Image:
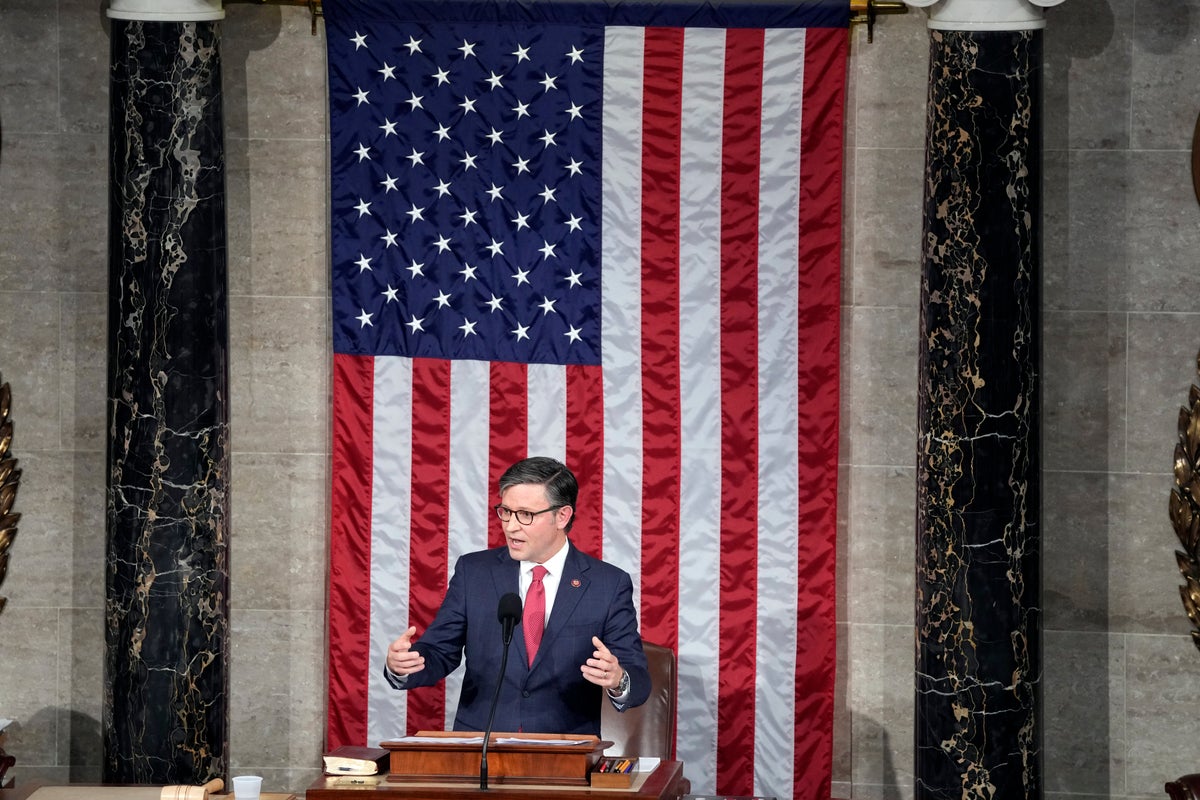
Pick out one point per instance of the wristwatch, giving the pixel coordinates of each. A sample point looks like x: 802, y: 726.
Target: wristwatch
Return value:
x: 622, y: 687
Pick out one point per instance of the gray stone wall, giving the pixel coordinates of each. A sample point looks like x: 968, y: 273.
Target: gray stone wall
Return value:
x: 1122, y: 329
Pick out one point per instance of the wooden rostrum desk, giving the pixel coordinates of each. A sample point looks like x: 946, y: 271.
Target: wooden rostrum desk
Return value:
x: 438, y: 765
x: 664, y: 783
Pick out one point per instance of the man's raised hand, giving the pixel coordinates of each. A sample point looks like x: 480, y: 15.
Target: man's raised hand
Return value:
x: 401, y: 658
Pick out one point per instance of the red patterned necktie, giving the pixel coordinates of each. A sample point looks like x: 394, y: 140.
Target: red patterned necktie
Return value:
x: 534, y: 620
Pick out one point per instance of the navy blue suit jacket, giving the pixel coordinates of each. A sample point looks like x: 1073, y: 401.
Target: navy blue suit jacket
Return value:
x: 594, y: 598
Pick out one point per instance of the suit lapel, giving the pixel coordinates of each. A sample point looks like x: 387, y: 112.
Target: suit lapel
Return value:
x: 506, y: 574
x: 506, y: 577
x: 571, y: 588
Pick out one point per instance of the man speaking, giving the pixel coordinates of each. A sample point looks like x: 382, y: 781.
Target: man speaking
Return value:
x: 578, y: 637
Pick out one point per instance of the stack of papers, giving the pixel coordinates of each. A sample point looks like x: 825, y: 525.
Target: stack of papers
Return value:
x: 495, y: 739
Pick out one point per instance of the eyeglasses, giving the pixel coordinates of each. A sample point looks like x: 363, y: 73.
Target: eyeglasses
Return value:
x: 523, y: 517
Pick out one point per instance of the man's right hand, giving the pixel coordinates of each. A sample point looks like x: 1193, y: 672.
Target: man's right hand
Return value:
x: 401, y: 658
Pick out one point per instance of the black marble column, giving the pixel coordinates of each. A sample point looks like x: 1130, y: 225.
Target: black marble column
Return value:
x: 166, y: 715
x: 978, y: 721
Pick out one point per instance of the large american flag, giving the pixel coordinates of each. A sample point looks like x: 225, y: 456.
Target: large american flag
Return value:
x: 614, y: 240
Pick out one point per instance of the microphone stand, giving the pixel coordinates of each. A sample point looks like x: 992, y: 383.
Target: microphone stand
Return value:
x: 487, y: 735
x: 509, y: 614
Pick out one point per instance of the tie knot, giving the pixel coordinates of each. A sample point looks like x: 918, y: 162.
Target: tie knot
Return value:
x: 539, y: 572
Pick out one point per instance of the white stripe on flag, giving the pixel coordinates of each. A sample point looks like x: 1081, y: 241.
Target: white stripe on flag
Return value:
x: 547, y: 393
x: 468, y: 469
x: 621, y: 303
x: 700, y: 412
x: 391, y: 496
x: 778, y: 502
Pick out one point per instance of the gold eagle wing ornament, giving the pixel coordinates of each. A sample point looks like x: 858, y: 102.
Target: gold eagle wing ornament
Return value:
x: 1185, y: 506
x: 10, y: 476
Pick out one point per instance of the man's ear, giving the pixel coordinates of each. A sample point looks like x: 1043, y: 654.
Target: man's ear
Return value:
x: 564, y: 516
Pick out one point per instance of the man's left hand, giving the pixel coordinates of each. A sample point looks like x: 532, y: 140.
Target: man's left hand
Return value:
x: 602, y: 668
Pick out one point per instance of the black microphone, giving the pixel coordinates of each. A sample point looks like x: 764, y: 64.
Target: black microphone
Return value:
x: 509, y: 614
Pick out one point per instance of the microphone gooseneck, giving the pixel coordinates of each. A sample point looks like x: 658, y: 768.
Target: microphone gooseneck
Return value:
x: 509, y: 615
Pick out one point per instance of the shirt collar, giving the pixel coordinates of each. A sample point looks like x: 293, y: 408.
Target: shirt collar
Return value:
x: 555, y: 564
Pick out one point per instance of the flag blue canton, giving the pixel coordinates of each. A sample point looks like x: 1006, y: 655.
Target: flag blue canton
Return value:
x: 466, y: 192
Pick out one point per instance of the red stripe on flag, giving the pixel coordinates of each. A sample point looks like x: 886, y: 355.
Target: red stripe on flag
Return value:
x: 350, y: 550
x: 661, y: 435
x: 741, y: 138
x: 820, y: 266
x: 585, y: 454
x: 429, y: 545
x: 509, y: 425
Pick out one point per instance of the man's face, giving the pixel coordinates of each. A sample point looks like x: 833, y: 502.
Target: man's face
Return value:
x: 541, y: 538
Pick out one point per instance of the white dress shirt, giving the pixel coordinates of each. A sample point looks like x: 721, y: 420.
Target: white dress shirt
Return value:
x: 554, y: 569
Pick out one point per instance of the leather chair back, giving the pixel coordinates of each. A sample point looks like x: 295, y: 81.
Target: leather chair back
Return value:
x: 649, y: 729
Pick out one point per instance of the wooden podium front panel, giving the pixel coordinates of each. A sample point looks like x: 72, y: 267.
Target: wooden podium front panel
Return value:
x: 441, y: 757
x: 664, y: 783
